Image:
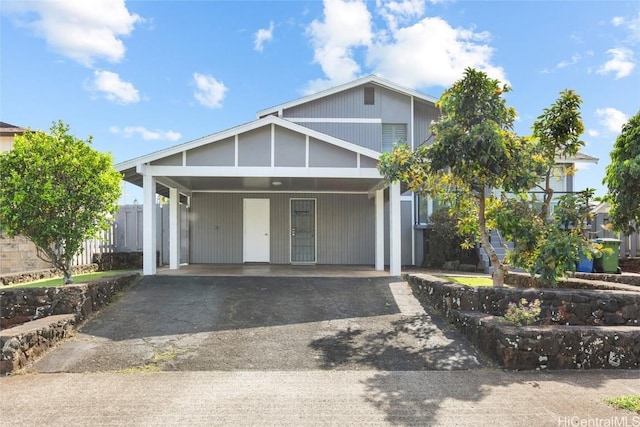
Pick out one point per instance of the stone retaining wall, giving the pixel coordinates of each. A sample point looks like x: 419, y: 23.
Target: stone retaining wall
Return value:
x: 558, y: 306
x: 23, y: 344
x: 629, y: 265
x: 118, y: 261
x: 22, y: 305
x: 550, y: 347
x: 34, y: 319
x: 580, y: 329
x: 30, y: 276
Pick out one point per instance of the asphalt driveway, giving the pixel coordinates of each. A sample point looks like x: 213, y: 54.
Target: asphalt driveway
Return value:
x: 182, y: 323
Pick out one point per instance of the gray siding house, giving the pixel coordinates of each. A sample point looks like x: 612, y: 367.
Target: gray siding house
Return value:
x: 298, y: 185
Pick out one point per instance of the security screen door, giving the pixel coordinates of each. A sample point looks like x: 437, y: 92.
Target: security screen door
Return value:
x: 303, y: 230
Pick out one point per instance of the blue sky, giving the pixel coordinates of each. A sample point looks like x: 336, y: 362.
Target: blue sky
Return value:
x: 140, y: 76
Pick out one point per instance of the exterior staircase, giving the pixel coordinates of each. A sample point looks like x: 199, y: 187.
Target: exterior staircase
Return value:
x: 500, y: 250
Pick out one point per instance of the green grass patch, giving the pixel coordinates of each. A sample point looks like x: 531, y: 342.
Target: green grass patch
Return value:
x: 57, y: 281
x: 470, y: 280
x: 630, y: 402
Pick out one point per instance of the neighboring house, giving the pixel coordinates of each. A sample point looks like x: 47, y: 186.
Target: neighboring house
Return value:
x: 7, y: 133
x: 19, y: 254
x: 298, y: 185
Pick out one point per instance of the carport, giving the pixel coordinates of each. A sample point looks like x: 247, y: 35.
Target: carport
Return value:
x: 274, y: 192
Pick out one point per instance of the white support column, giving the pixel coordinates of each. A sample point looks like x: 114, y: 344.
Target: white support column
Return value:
x: 174, y: 229
x: 149, y: 222
x: 395, y: 230
x: 380, y: 230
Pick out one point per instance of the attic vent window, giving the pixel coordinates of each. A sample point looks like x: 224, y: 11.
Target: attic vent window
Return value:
x: 369, y: 96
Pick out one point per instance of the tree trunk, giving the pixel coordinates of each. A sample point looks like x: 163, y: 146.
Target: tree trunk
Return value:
x: 67, y: 271
x: 548, y: 195
x: 498, y: 268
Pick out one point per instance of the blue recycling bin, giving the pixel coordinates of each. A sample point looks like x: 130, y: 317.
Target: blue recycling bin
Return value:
x: 585, y: 265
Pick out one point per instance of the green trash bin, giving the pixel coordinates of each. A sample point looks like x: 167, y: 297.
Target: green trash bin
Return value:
x: 608, y: 261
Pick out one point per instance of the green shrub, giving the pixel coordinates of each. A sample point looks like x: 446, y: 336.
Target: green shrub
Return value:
x: 523, y: 313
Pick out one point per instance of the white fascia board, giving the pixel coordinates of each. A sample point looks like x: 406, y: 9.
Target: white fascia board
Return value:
x: 333, y: 120
x: 194, y: 144
x: 364, y: 80
x: 250, y: 171
x: 569, y: 160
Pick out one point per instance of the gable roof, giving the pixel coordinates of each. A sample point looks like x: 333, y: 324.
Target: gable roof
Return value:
x: 336, y: 89
x: 578, y: 158
x: 9, y: 129
x: 241, y: 129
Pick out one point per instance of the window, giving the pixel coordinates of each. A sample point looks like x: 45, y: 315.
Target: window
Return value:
x: 369, y: 95
x: 393, y: 134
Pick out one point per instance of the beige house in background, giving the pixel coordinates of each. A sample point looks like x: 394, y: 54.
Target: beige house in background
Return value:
x: 19, y: 254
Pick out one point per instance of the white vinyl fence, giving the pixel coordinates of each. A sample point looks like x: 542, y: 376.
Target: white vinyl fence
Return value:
x: 126, y: 233
x: 629, y: 245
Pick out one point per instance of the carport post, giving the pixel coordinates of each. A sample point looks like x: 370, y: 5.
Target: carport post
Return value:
x: 149, y: 225
x: 174, y: 229
x: 380, y: 230
x: 395, y: 230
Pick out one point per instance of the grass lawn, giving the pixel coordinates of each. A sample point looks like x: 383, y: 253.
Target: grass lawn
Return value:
x: 57, y: 281
x: 470, y: 280
x: 630, y: 402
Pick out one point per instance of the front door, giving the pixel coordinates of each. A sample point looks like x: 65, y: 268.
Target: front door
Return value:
x: 303, y: 230
x: 256, y: 241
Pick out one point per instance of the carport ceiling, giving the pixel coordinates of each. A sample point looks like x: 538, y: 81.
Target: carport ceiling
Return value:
x: 200, y: 184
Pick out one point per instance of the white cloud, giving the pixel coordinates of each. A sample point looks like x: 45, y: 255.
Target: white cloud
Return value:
x: 113, y: 88
x: 621, y: 63
x: 346, y: 25
x: 431, y: 52
x: 574, y: 60
x: 146, y: 134
x: 612, y: 119
x: 593, y: 133
x: 616, y: 21
x: 414, y: 51
x: 261, y: 36
x: 210, y: 92
x: 80, y: 30
x: 632, y: 25
x: 399, y: 12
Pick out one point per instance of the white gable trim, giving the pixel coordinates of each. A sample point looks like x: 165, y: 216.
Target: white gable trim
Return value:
x: 235, y: 131
x: 355, y: 83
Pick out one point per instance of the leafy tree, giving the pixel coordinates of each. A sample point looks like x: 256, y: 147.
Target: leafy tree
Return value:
x: 474, y: 150
x: 623, y: 178
x: 57, y: 191
x: 557, y: 134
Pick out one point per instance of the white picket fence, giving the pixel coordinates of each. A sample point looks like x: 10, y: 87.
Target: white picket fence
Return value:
x: 103, y: 244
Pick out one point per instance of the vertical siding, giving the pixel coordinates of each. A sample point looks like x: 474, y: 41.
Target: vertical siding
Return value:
x: 216, y: 228
x: 345, y: 234
x: 346, y: 229
x: 395, y: 107
x: 424, y: 114
x: 368, y: 135
x: 348, y: 104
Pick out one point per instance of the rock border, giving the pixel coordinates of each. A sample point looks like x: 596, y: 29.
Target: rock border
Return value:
x: 41, y: 317
x: 477, y: 312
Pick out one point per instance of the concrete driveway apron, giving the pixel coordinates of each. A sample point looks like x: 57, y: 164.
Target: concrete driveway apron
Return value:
x: 207, y: 323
